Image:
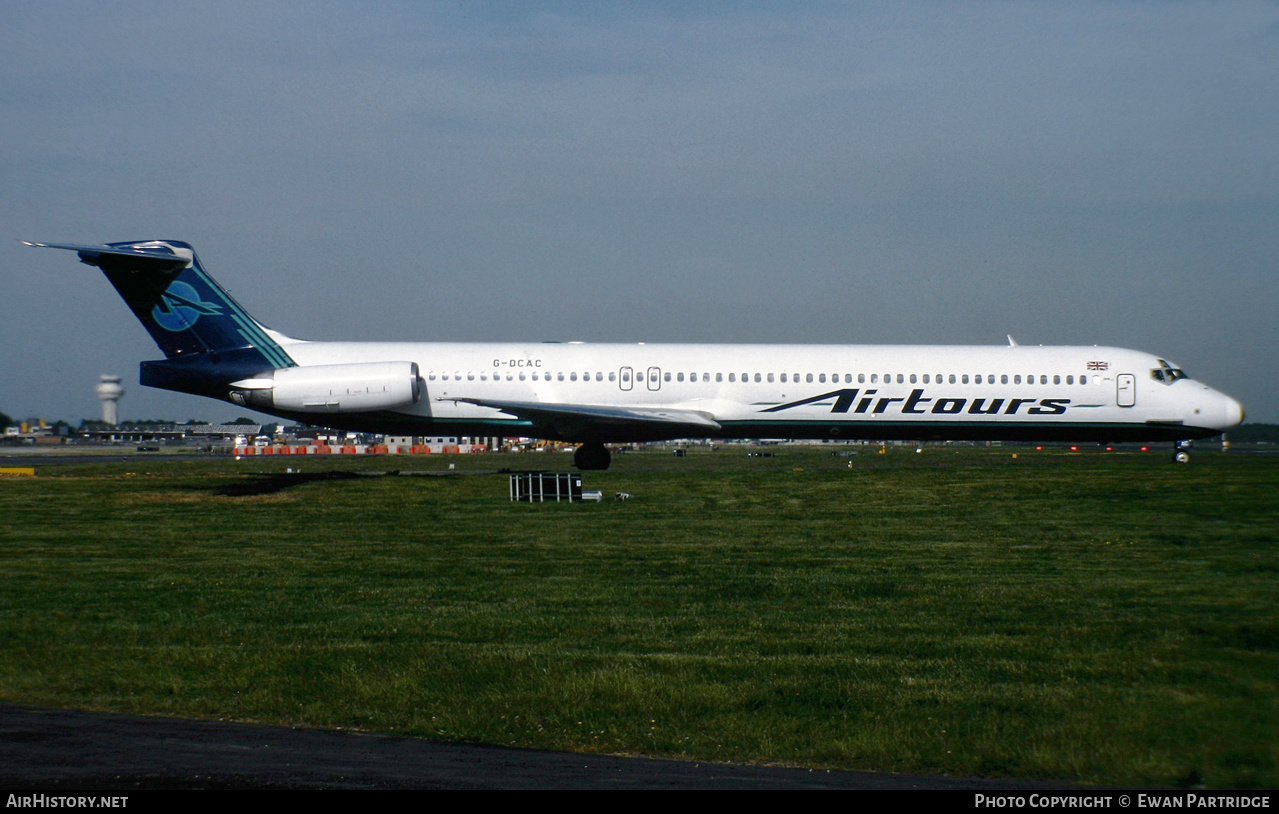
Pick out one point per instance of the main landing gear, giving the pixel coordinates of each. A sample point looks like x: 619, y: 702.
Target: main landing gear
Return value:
x: 1181, y: 453
x: 592, y: 456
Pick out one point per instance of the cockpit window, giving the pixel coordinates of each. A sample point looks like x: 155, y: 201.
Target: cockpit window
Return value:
x: 1166, y: 373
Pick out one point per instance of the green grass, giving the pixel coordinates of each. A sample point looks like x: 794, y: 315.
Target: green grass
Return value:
x: 1091, y: 618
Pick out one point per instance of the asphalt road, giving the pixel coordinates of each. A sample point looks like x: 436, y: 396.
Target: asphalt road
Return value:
x: 60, y: 750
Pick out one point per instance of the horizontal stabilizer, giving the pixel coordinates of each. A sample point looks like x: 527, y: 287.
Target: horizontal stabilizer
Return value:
x: 150, y: 258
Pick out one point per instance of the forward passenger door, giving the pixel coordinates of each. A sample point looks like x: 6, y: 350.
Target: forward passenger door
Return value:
x: 1126, y: 390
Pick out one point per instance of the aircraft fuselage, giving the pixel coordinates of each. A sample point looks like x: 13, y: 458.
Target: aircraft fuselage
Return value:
x: 911, y: 392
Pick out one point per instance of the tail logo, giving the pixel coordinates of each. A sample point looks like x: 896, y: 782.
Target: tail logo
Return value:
x: 180, y: 307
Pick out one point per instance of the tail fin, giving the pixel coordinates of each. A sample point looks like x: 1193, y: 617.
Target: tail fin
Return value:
x: 183, y: 309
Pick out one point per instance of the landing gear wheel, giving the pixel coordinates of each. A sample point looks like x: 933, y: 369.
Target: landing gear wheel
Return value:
x: 592, y: 456
x: 1181, y: 452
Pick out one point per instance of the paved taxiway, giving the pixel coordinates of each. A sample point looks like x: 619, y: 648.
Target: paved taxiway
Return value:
x: 53, y: 750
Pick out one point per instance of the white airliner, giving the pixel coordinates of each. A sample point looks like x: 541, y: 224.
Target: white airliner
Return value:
x: 596, y: 394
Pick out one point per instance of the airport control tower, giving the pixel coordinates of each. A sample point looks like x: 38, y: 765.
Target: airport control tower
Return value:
x: 110, y: 391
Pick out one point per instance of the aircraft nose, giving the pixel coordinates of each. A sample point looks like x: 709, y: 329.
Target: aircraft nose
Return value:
x: 1234, y: 413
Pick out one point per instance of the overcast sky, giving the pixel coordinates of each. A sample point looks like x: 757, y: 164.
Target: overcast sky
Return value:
x: 900, y: 172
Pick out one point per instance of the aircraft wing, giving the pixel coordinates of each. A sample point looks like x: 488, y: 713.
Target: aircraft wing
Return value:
x: 588, y: 422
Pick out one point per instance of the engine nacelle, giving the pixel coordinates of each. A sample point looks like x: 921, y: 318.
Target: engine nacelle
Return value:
x: 354, y: 388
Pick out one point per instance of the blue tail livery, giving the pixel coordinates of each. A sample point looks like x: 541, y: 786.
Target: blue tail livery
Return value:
x: 206, y: 336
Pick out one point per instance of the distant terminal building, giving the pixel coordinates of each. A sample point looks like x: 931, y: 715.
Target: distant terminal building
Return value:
x: 35, y: 432
x: 492, y: 443
x: 172, y: 433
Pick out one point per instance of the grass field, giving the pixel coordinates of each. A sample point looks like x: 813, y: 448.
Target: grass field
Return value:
x: 1095, y: 618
